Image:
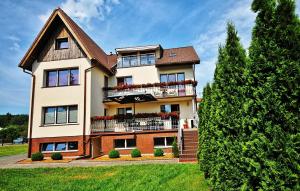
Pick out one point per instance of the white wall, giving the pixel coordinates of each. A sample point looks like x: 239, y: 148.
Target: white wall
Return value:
x: 57, y: 96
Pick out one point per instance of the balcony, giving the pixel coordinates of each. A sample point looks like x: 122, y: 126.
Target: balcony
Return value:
x: 155, y: 90
x: 139, y: 122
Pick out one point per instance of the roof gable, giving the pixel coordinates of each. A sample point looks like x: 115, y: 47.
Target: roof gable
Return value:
x: 90, y: 48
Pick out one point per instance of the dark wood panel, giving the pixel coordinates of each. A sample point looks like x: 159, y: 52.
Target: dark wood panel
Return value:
x: 49, y: 53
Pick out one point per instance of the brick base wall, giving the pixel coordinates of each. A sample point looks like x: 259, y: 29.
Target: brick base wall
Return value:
x: 144, y: 142
x: 36, y: 144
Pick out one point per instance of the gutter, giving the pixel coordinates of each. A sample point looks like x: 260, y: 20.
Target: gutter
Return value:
x: 84, y: 109
x: 31, y: 112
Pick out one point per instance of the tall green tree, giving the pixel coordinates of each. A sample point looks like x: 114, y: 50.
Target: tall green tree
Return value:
x: 203, y: 129
x: 227, y: 101
x: 273, y: 89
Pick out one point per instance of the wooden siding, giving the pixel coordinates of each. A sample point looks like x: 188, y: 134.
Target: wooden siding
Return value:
x: 49, y: 53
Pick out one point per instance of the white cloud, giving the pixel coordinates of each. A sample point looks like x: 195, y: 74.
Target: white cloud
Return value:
x: 207, y: 43
x: 15, y: 42
x: 85, y: 10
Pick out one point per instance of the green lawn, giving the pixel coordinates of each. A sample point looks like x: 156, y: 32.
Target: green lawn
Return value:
x: 12, y: 150
x: 134, y: 177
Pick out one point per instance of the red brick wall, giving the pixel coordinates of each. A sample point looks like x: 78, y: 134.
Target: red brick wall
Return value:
x: 36, y: 143
x: 144, y: 142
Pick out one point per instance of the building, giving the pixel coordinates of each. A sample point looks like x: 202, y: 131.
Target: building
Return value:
x: 85, y: 102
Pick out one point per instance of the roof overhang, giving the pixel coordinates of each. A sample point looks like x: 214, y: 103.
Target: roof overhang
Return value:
x: 138, y: 48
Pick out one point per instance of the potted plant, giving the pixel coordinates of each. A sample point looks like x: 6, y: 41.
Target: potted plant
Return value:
x: 185, y: 125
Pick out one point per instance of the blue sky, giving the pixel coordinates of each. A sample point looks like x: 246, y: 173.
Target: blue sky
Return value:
x: 119, y: 23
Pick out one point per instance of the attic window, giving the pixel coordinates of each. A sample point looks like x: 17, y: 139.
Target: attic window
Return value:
x: 62, y: 43
x: 172, y: 54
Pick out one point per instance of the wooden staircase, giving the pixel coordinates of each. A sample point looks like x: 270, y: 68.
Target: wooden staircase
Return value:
x: 190, y: 146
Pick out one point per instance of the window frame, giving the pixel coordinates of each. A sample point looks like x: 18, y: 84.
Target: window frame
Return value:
x: 61, y: 40
x: 54, y: 146
x: 125, y: 144
x: 55, y: 115
x: 124, y: 79
x: 165, y: 142
x: 147, y: 59
x: 46, y: 84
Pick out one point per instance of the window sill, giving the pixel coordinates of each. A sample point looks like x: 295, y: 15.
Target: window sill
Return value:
x: 63, y: 124
x: 70, y: 151
x: 162, y: 147
x: 60, y: 86
x: 128, y: 148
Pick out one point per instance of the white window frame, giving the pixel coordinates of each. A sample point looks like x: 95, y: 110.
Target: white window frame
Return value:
x: 147, y: 59
x: 165, y: 141
x: 121, y: 148
x: 55, y: 116
x: 54, y: 151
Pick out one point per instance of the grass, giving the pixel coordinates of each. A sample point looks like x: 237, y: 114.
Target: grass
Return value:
x: 134, y: 177
x: 8, y: 150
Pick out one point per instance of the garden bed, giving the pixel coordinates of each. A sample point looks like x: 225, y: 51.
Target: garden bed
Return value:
x: 29, y: 161
x: 129, y: 158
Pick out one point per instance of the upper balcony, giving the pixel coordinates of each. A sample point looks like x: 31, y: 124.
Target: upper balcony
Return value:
x: 151, y: 91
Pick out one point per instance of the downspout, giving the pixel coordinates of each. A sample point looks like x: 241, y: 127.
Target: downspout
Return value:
x: 84, y: 110
x: 31, y: 112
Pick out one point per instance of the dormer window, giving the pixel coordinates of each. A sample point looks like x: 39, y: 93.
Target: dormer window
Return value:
x: 61, y: 43
x: 172, y: 54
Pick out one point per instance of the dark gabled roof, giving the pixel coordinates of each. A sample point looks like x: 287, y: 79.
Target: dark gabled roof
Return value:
x: 90, y: 48
x: 178, y: 56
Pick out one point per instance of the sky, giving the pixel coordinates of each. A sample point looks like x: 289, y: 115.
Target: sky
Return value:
x: 119, y: 23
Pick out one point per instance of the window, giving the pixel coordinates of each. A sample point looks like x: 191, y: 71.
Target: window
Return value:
x: 61, y: 43
x: 124, y: 111
x: 147, y: 59
x: 178, y: 89
x: 72, y: 114
x: 72, y: 145
x: 49, y: 115
x: 124, y: 143
x: 74, y: 76
x: 60, y: 114
x: 51, y: 78
x: 163, y: 141
x: 128, y: 61
x: 172, y: 77
x: 66, y: 77
x: 60, y: 146
x: 169, y: 108
x: 124, y: 81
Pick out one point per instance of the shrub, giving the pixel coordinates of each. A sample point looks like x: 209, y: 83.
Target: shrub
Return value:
x: 135, y: 153
x: 158, y: 152
x: 56, y: 156
x: 37, y: 156
x: 175, y: 149
x: 114, y: 154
